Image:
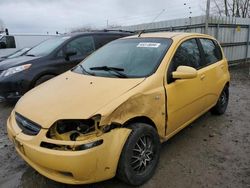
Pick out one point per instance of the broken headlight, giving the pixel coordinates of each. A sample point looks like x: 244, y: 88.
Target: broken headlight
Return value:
x: 81, y: 126
x: 71, y: 130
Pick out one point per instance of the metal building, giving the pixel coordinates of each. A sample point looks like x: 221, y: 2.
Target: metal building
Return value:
x: 233, y: 33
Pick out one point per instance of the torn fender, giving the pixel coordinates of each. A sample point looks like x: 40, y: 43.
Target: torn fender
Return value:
x: 150, y: 105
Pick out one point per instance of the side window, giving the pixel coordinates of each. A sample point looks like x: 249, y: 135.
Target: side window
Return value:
x: 104, y: 39
x: 82, y: 45
x: 212, y: 51
x: 187, y: 54
x: 218, y: 50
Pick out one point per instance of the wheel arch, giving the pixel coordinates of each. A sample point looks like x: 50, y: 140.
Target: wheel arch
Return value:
x: 140, y: 119
x: 226, y: 86
x: 49, y: 73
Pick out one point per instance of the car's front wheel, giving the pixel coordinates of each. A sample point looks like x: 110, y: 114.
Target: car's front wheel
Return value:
x: 140, y: 155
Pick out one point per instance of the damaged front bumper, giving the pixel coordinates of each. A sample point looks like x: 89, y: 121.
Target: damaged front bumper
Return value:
x: 67, y: 166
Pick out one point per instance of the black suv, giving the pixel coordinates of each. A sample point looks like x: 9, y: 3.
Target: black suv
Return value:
x: 48, y: 59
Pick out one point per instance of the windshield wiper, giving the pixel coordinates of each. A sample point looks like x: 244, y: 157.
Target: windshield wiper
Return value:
x: 114, y: 69
x: 84, y: 70
x: 31, y: 55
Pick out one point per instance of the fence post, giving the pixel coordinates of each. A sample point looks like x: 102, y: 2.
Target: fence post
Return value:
x: 248, y: 37
x: 217, y: 31
x: 248, y: 33
x: 207, y: 17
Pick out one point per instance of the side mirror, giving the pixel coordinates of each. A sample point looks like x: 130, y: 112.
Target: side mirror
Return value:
x: 3, y: 45
x: 70, y: 52
x: 184, y: 72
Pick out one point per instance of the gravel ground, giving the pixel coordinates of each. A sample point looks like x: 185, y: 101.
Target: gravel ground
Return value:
x: 212, y: 152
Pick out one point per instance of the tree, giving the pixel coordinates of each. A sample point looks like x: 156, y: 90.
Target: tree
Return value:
x: 235, y: 8
x: 81, y: 29
x: 88, y: 28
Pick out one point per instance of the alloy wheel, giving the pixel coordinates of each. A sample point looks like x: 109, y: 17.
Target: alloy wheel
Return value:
x: 143, y: 154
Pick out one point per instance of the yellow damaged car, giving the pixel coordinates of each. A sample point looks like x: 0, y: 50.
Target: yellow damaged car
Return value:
x: 108, y: 116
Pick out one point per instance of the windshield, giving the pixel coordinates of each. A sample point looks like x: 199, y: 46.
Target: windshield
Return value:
x: 126, y: 58
x: 46, y: 47
x: 18, y: 53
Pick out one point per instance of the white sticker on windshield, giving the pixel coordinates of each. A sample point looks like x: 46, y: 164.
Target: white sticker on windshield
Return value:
x: 148, y: 45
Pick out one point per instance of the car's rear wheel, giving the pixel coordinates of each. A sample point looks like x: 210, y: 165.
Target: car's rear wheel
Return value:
x: 43, y: 79
x: 140, y: 155
x: 222, y: 102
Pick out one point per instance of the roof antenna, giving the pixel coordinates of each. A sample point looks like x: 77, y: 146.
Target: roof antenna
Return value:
x: 158, y: 15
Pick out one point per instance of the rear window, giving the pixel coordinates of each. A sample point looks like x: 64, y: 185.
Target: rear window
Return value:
x: 212, y: 51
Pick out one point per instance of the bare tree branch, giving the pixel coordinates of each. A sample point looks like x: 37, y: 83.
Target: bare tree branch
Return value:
x: 236, y: 8
x: 226, y: 8
x: 218, y: 8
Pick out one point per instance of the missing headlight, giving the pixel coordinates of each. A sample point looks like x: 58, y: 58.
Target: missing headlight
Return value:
x: 82, y: 126
x: 71, y: 130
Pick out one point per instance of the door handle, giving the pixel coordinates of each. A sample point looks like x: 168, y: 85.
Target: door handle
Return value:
x: 203, y: 76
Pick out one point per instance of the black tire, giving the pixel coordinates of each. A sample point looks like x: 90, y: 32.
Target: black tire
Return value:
x: 222, y: 102
x: 138, y: 162
x: 43, y: 79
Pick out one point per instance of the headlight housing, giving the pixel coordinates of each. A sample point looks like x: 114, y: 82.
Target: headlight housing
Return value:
x: 14, y: 70
x: 74, y: 130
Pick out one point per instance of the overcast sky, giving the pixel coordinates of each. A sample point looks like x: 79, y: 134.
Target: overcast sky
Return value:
x: 41, y: 16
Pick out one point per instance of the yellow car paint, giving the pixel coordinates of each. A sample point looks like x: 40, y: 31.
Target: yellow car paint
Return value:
x: 72, y: 167
x: 74, y: 96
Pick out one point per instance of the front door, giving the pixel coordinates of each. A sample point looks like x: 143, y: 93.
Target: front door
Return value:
x: 83, y: 46
x: 185, y: 99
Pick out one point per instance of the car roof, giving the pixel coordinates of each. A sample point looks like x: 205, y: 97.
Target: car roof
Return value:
x: 169, y: 35
x: 123, y: 33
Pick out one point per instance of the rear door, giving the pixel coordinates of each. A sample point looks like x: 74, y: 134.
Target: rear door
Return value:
x: 214, y: 68
x: 185, y: 98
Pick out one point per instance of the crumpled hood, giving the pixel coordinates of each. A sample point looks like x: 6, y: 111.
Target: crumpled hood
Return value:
x: 71, y: 96
x: 12, y: 62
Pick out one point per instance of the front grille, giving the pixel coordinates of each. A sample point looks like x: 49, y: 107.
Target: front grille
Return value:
x: 28, y: 127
